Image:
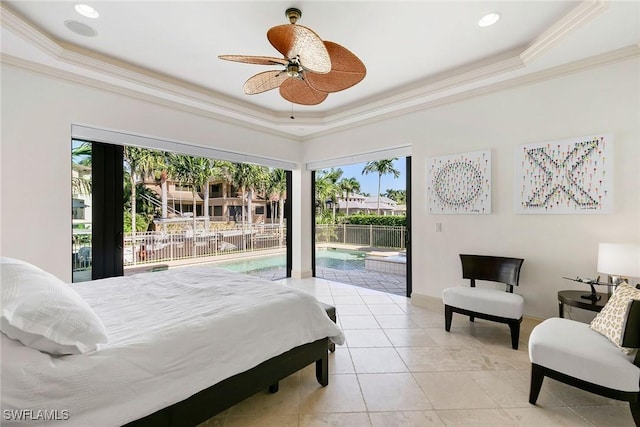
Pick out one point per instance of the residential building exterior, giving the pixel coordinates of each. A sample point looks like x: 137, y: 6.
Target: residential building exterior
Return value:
x: 225, y: 202
x: 359, y: 204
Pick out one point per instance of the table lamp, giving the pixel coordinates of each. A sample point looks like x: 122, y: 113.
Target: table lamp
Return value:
x: 619, y: 261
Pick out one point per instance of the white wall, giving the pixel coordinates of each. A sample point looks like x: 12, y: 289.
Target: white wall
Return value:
x: 35, y: 176
x: 602, y: 100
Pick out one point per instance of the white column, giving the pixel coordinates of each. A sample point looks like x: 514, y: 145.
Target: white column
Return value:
x: 301, y: 233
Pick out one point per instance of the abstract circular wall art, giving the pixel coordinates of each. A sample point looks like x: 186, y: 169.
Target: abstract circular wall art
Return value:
x: 459, y: 183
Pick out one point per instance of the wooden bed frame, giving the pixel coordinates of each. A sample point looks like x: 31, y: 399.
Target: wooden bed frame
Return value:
x: 215, y: 399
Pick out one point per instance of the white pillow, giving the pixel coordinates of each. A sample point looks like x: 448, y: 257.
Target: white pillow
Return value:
x: 612, y: 319
x: 44, y: 313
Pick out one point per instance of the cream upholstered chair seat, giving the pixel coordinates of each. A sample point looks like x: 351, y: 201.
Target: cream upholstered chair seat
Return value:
x: 487, y: 301
x: 483, y: 303
x: 574, y: 353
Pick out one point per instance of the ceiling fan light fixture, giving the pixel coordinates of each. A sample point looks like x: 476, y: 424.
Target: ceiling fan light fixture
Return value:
x: 293, y: 70
x: 489, y: 19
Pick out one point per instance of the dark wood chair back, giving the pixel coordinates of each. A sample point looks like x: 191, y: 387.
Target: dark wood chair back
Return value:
x: 631, y: 329
x: 491, y: 268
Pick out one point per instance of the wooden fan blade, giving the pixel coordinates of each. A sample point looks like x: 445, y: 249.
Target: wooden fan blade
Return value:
x: 260, y: 60
x: 346, y: 70
x: 296, y: 41
x: 299, y: 92
x: 265, y: 81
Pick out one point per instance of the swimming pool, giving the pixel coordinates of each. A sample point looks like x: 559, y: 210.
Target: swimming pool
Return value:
x: 337, y: 259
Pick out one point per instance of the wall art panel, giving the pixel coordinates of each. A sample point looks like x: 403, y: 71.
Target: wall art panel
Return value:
x: 572, y: 176
x: 459, y: 184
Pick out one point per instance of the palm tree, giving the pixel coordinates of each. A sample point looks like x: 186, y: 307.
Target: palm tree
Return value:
x: 220, y: 170
x: 381, y: 167
x: 327, y: 188
x: 140, y: 162
x: 399, y: 196
x: 162, y: 166
x: 81, y: 165
x: 278, y: 188
x: 193, y: 172
x: 349, y: 186
x: 248, y: 177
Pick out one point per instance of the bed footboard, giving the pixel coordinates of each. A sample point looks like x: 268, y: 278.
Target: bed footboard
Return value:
x: 215, y: 399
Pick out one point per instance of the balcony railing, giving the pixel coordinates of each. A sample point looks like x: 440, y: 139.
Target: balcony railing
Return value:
x: 157, y: 246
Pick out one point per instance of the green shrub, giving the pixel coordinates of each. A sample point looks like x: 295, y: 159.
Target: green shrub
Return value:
x: 142, y: 222
x: 387, y: 220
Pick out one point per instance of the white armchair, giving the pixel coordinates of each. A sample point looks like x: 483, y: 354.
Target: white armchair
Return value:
x: 490, y: 304
x: 573, y: 353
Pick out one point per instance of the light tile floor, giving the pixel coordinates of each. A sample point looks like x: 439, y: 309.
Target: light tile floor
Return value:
x: 386, y: 282
x: 399, y: 367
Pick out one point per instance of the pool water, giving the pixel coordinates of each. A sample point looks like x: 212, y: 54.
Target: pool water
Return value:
x: 340, y: 259
x: 325, y: 258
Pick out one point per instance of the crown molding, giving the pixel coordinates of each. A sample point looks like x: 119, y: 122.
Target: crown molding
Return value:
x: 579, y: 16
x: 28, y: 31
x: 71, y: 77
x: 432, y: 86
x: 626, y: 53
x: 83, y: 66
x: 619, y: 55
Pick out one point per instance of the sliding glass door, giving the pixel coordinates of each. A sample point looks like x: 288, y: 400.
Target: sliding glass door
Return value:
x: 139, y: 210
x: 361, y: 224
x: 97, y: 210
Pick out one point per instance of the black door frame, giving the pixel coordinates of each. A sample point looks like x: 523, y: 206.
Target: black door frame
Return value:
x: 288, y: 212
x: 409, y: 278
x: 407, y: 238
x: 313, y: 223
x: 107, y: 211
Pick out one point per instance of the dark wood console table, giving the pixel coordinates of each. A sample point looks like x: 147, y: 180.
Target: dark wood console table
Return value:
x: 573, y: 298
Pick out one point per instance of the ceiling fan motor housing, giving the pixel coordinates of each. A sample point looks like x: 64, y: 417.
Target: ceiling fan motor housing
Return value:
x: 293, y: 14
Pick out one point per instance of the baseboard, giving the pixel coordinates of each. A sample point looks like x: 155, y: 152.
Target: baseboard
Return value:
x: 426, y: 301
x: 301, y: 274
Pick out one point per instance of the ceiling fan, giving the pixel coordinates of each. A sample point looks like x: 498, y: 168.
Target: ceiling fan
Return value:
x: 313, y: 68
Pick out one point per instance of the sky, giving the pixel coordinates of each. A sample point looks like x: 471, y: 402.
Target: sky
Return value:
x: 369, y: 183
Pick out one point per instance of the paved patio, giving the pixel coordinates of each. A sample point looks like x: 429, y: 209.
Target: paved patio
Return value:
x: 385, y: 282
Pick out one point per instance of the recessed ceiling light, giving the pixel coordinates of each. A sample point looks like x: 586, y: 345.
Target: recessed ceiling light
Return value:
x: 86, y: 10
x: 80, y: 28
x: 489, y: 19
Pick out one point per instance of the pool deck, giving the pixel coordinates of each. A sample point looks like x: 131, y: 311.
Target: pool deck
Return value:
x: 377, y: 280
x: 384, y: 282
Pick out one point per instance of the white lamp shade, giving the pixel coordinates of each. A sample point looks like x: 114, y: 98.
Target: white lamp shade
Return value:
x: 619, y: 259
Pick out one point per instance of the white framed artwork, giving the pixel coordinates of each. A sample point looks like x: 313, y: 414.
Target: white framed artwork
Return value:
x: 571, y: 176
x: 459, y: 183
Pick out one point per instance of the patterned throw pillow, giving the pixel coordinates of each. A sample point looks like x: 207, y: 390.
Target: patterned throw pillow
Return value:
x: 610, y: 321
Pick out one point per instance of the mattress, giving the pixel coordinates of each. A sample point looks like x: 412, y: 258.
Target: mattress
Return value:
x: 171, y: 334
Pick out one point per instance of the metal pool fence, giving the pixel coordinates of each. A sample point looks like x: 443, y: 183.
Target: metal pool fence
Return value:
x: 158, y: 246
x: 378, y: 236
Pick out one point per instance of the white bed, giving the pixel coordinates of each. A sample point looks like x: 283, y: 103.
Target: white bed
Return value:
x: 170, y: 335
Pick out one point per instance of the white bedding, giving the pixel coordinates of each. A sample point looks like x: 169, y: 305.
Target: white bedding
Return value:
x: 171, y: 334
